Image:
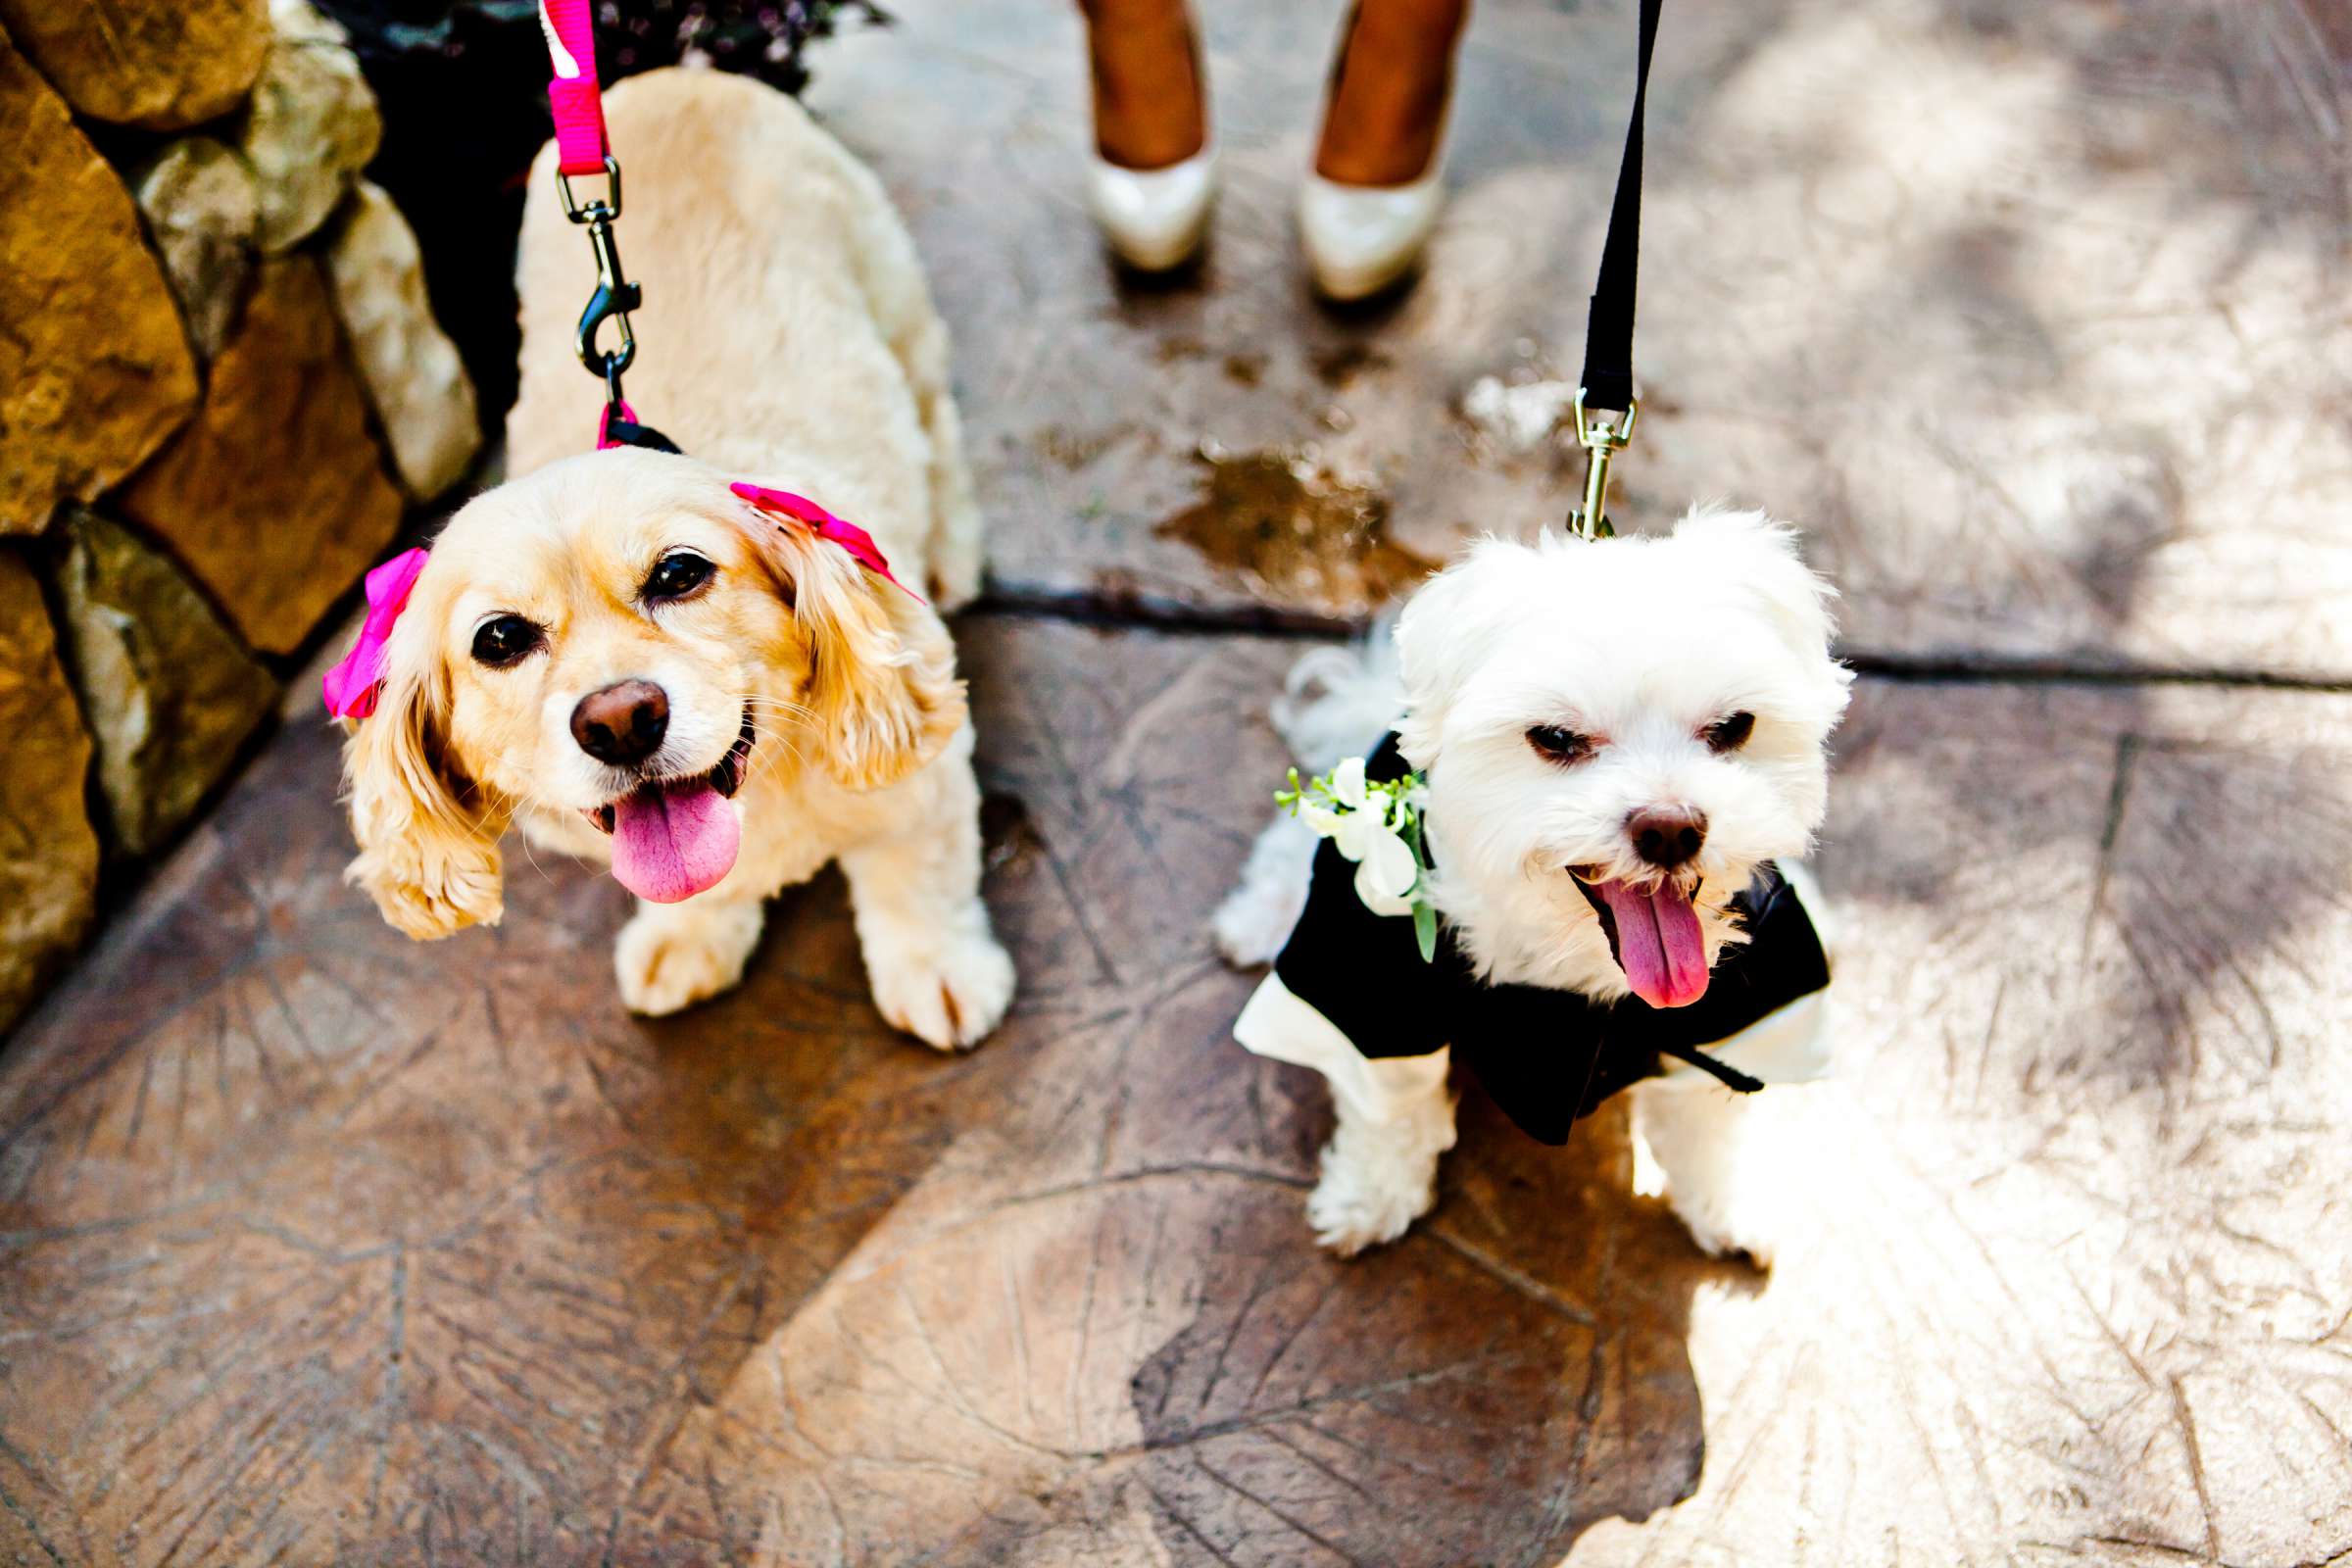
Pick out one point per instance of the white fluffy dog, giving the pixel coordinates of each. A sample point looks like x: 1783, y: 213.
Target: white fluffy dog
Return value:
x: 620, y: 657
x: 1616, y: 736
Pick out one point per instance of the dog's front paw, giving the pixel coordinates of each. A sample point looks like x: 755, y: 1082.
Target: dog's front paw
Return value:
x: 1355, y: 1207
x: 672, y: 956
x: 1719, y: 1238
x: 1249, y: 928
x: 429, y: 897
x: 948, y: 996
x: 1256, y: 919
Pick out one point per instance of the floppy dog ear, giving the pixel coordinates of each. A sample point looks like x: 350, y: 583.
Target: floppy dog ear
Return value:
x: 882, y: 689
x: 1440, y: 643
x: 428, y: 853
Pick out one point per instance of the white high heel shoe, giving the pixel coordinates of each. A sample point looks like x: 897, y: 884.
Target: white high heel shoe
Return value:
x: 1361, y: 238
x: 1155, y: 219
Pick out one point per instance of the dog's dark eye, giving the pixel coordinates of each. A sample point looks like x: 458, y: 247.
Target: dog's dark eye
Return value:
x: 677, y: 575
x: 1729, y: 734
x: 1559, y: 744
x: 508, y: 640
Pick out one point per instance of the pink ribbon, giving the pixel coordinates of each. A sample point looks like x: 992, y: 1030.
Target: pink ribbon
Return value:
x: 351, y: 686
x: 852, y: 538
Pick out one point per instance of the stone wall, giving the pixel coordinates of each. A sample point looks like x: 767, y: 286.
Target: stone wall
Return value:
x: 220, y: 389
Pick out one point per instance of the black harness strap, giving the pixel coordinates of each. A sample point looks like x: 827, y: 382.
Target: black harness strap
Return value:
x: 1546, y: 1057
x: 1723, y: 1073
x: 1608, y: 379
x: 628, y: 433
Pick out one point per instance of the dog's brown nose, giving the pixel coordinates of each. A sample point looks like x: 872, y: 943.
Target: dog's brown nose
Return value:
x: 624, y: 723
x: 1666, y: 836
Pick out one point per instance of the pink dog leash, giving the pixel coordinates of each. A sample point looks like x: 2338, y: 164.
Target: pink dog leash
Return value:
x: 573, y: 92
x: 583, y: 147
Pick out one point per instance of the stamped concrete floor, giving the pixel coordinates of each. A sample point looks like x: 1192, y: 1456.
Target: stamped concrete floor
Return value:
x: 319, y: 1247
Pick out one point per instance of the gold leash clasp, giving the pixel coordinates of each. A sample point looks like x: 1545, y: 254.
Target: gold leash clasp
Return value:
x: 1602, y: 439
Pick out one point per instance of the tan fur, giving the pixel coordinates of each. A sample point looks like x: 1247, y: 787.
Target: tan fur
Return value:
x: 786, y: 322
x: 788, y: 340
x: 429, y: 854
x: 880, y: 669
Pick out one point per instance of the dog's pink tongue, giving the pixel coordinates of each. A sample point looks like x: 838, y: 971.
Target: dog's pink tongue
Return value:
x: 671, y: 842
x: 1658, y: 942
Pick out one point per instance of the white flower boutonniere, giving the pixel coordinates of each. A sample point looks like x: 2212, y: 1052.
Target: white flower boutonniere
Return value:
x: 1378, y: 826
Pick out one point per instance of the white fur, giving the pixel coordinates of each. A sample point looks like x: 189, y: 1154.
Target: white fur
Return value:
x: 1643, y: 643
x: 1379, y: 1176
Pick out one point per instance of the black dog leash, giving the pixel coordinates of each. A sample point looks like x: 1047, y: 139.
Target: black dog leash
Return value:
x: 1608, y: 378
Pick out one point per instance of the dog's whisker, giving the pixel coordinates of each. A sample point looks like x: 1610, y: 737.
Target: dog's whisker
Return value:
x: 766, y: 761
x: 531, y: 853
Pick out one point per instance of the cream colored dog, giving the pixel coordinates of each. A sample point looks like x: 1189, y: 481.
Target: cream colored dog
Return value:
x: 619, y: 656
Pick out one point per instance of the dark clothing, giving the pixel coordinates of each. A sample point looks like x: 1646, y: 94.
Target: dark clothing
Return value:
x: 1549, y: 1058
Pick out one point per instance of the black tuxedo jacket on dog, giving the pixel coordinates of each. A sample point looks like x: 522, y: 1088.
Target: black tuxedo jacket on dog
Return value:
x: 1549, y: 1058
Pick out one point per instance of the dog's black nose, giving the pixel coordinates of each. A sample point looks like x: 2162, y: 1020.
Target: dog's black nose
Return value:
x: 1666, y: 836
x: 624, y: 723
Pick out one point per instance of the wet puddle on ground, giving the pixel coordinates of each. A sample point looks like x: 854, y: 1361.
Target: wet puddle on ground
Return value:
x: 1296, y: 531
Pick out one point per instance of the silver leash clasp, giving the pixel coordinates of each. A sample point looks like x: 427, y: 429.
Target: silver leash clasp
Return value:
x: 1602, y: 439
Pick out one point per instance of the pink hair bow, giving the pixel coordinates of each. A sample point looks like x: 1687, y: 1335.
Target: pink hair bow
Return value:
x: 852, y: 538
x: 351, y: 686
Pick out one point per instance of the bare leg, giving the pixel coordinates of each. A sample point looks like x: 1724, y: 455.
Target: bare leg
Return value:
x: 1388, y: 100
x: 1149, y: 97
